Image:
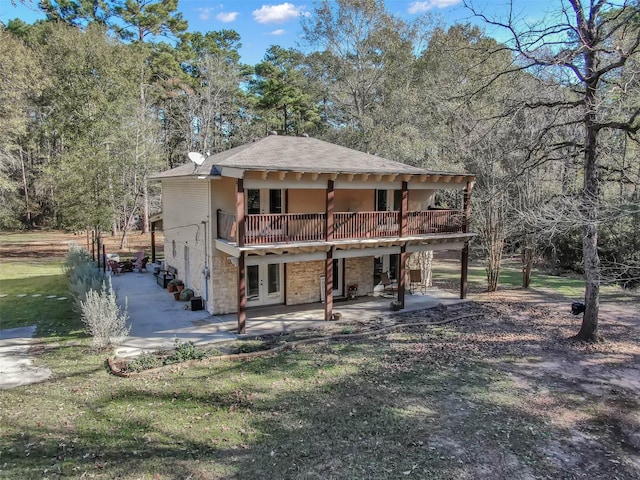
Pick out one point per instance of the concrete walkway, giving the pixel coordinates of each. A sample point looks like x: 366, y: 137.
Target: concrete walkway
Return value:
x: 158, y: 321
x: 16, y: 365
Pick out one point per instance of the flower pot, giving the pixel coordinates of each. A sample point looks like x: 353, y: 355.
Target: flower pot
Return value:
x: 171, y: 288
x: 176, y: 295
x: 180, y: 287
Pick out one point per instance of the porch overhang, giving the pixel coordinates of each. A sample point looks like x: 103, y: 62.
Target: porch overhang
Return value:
x: 305, y: 251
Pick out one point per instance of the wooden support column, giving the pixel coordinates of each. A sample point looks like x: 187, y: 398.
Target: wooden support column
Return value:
x: 464, y: 257
x: 328, y: 286
x: 242, y: 295
x: 329, y: 211
x: 153, y: 242
x: 328, y: 270
x: 404, y: 209
x: 401, y: 275
x: 240, y: 212
x: 242, y: 280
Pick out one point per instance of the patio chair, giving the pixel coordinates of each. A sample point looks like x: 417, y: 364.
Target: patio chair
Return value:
x: 386, y: 283
x: 141, y: 264
x: 415, y: 279
x: 115, y: 267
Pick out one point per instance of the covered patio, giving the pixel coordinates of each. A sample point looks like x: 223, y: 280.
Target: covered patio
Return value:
x: 158, y: 321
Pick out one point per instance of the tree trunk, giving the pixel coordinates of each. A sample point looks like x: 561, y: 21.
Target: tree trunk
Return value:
x: 527, y: 265
x: 590, y: 206
x: 27, y: 215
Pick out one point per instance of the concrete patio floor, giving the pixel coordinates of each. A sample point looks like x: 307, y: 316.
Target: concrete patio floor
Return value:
x: 158, y: 321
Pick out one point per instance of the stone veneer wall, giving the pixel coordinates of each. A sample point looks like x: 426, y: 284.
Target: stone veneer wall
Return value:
x: 303, y: 282
x: 224, y: 279
x: 360, y: 271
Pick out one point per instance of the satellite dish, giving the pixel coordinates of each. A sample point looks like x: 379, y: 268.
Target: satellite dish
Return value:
x: 197, y: 158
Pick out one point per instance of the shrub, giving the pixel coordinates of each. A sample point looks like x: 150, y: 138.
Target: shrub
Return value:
x: 185, y: 351
x: 102, y: 317
x: 83, y: 275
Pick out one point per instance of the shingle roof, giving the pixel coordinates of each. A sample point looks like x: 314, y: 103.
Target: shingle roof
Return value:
x: 295, y: 154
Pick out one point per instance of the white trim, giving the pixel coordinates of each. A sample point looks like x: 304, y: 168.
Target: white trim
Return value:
x: 425, y: 247
x: 296, y: 257
x: 365, y: 252
x: 369, y: 185
x: 278, y: 184
x: 232, y: 172
x: 227, y: 248
x: 436, y: 186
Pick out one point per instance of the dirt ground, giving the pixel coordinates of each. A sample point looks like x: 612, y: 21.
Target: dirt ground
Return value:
x: 48, y: 244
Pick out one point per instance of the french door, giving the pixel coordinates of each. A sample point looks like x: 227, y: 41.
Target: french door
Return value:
x: 264, y: 201
x: 264, y: 284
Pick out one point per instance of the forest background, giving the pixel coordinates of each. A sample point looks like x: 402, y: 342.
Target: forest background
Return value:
x: 103, y: 93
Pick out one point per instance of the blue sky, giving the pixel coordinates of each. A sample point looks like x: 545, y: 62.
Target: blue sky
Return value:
x: 261, y: 24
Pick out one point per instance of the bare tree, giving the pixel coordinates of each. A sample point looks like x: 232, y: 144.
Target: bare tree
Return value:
x: 586, y: 47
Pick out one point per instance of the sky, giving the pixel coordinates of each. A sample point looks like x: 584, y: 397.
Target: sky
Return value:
x: 262, y: 24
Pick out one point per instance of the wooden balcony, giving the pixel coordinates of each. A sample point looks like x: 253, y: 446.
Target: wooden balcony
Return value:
x: 311, y: 227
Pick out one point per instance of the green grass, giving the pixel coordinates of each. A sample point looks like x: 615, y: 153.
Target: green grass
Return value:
x: 403, y: 406
x: 52, y: 317
x: 567, y: 285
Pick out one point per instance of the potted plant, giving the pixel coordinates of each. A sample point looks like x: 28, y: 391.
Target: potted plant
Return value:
x: 186, y: 295
x: 396, y: 305
x: 171, y: 285
x: 179, y: 285
x: 176, y: 296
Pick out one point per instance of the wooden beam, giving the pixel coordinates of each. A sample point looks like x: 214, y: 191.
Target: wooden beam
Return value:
x: 464, y: 257
x: 402, y: 275
x: 364, y: 177
x: 298, y: 176
x: 328, y: 286
x: 264, y: 175
x: 404, y: 209
x: 282, y: 175
x: 242, y: 295
x: 329, y: 211
x: 314, y: 176
x: 406, y: 178
x: 333, y: 176
x: 378, y: 177
x: 350, y: 177
x: 240, y: 212
x: 393, y: 176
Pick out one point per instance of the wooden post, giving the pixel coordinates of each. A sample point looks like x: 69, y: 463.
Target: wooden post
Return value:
x: 329, y: 211
x: 240, y: 213
x: 464, y: 257
x: 402, y: 274
x: 242, y: 295
x: 153, y: 242
x: 328, y: 286
x: 93, y: 245
x: 404, y: 209
x: 104, y: 258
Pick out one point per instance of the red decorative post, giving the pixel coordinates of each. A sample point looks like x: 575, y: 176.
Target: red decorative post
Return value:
x: 242, y: 295
x: 404, y: 208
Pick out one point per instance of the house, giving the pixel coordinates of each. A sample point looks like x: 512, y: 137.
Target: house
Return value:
x: 295, y: 220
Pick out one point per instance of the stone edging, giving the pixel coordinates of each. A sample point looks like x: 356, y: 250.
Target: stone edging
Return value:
x: 261, y: 353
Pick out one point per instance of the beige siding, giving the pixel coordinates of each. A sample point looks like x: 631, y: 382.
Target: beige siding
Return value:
x: 354, y: 200
x: 184, y: 208
x: 306, y: 201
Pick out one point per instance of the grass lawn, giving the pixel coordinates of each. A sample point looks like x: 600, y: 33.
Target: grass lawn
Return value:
x: 41, y: 277
x: 500, y: 395
x: 447, y: 272
x: 441, y: 403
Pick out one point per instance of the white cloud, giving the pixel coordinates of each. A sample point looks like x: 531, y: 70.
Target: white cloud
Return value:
x: 278, y: 13
x: 280, y: 31
x: 418, y: 7
x: 227, y: 17
x: 204, y: 13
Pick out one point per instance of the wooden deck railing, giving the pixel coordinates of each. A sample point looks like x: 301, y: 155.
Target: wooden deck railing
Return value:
x: 434, y: 221
x: 366, y: 224
x: 311, y: 227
